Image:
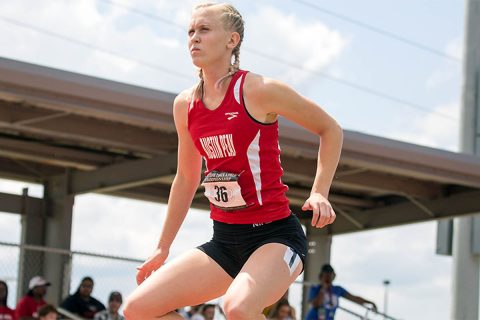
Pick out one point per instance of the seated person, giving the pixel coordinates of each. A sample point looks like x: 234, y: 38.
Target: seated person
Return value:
x: 81, y: 302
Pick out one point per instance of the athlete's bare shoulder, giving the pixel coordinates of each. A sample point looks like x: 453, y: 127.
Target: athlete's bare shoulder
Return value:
x: 183, y: 99
x: 252, y: 80
x: 262, y: 94
x: 258, y: 86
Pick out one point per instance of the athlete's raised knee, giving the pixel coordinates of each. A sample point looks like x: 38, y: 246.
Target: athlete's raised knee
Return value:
x: 132, y: 310
x: 238, y: 310
x: 136, y: 310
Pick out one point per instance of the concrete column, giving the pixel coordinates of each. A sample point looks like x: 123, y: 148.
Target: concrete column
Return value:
x: 319, y: 247
x: 465, y: 291
x: 466, y: 262
x: 32, y: 233
x: 58, y: 235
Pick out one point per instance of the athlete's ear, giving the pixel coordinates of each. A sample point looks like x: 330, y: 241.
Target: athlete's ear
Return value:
x: 234, y: 40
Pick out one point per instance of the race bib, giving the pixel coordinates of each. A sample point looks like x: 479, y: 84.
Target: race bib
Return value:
x: 223, y: 191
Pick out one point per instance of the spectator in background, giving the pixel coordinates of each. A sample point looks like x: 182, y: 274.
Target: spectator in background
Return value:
x: 47, y: 312
x: 27, y: 307
x: 268, y: 310
x: 81, y: 302
x: 189, y: 312
x: 195, y: 312
x: 114, y: 302
x: 5, y: 312
x: 282, y: 311
x: 324, y: 297
x: 208, y: 311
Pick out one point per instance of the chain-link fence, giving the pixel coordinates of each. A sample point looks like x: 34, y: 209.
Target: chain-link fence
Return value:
x: 109, y: 272
x: 9, y: 257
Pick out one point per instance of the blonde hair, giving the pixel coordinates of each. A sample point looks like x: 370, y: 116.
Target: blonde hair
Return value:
x: 232, y: 20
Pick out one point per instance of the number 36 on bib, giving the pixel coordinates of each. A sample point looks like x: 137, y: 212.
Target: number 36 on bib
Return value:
x: 223, y: 191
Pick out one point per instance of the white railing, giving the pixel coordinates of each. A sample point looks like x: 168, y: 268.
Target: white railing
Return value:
x: 367, y: 312
x: 68, y: 315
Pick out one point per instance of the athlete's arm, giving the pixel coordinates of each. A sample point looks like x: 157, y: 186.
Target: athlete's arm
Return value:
x: 265, y: 98
x: 183, y: 188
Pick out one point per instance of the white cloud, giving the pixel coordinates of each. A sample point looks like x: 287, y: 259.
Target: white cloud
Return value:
x: 311, y: 45
x: 439, y: 78
x: 10, y: 227
x: 432, y: 129
x: 455, y: 48
x: 82, y: 21
x: 16, y: 187
x: 449, y: 72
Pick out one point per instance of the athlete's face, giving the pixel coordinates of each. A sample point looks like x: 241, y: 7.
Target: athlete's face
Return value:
x: 208, y: 40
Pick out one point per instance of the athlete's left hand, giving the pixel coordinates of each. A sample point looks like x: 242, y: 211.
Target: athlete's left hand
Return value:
x: 323, y: 213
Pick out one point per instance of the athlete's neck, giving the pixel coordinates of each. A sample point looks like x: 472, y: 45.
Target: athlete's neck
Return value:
x: 211, y: 78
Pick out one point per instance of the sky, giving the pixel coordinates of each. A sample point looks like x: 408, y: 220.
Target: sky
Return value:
x: 386, y: 68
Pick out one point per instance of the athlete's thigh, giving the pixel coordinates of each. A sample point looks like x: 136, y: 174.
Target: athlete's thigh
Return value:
x: 190, y: 279
x: 265, y: 277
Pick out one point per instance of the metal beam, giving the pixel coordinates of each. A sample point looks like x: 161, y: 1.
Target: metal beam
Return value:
x: 12, y: 203
x: 40, y: 119
x: 407, y: 212
x: 389, y: 156
x: 158, y: 193
x: 85, y: 130
x: 57, y: 156
x: 124, y: 175
x: 26, y: 171
x: 372, y: 181
x: 85, y: 95
x: 359, y: 201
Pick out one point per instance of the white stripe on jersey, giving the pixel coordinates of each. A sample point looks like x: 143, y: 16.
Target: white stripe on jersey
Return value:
x: 253, y: 154
x: 236, y: 89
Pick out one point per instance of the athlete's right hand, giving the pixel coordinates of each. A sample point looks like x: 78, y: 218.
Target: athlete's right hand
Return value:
x: 154, y: 262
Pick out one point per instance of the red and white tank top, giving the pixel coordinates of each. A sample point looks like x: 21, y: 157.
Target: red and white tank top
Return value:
x: 243, y: 171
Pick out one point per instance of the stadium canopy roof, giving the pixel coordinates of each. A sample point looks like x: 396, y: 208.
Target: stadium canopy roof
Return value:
x: 119, y: 139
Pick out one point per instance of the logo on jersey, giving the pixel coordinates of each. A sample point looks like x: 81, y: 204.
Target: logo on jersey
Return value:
x: 220, y: 146
x: 231, y: 115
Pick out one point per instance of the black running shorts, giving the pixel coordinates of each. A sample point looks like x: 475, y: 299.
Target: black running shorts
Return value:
x: 233, y: 244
